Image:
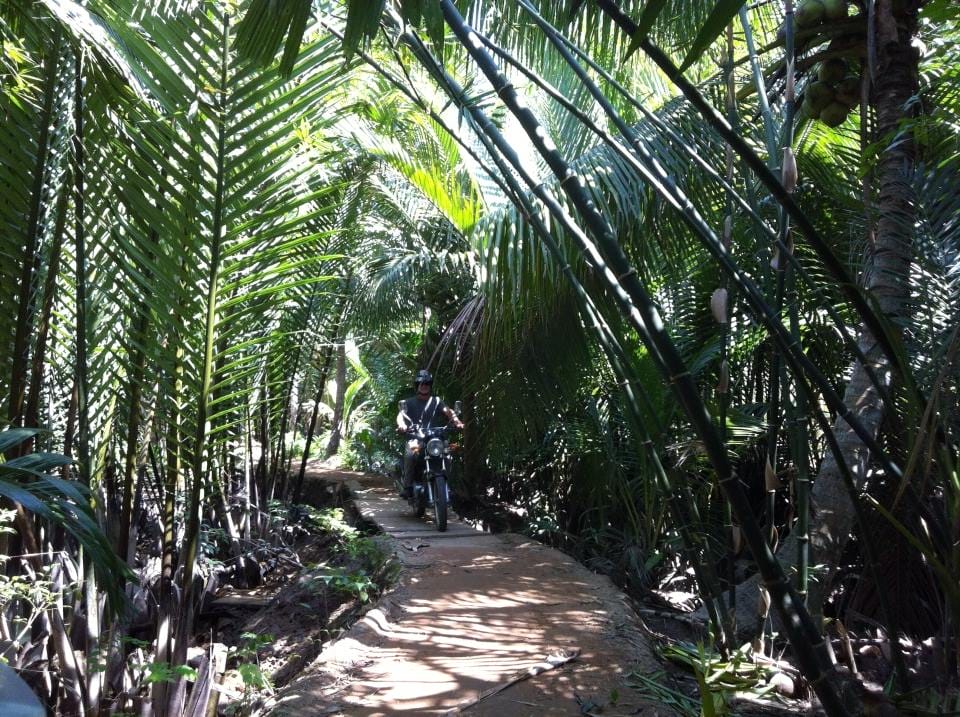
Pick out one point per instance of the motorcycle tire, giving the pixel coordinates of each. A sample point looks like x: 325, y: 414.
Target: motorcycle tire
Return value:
x: 419, y: 502
x: 440, y: 502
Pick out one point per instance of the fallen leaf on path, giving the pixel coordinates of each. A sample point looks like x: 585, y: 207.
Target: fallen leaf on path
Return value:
x: 415, y: 548
x: 551, y: 661
x: 587, y: 706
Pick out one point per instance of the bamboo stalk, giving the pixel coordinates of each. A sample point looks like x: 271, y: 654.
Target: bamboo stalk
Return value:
x: 31, y: 258
x: 799, y: 437
x: 777, y: 379
x: 629, y: 381
x: 748, y: 206
x: 638, y: 307
x: 769, y: 129
x: 500, y: 150
x: 724, y: 398
x: 890, y: 346
x: 666, y: 187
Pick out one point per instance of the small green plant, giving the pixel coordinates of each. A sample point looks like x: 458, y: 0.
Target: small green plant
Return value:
x: 367, y: 551
x: 164, y: 672
x: 32, y: 596
x: 354, y: 583
x: 718, y: 677
x: 655, y: 686
x: 331, y: 520
x: 713, y: 702
x: 254, y: 678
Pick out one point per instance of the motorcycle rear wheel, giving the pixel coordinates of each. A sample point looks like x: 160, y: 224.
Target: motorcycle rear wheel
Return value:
x: 440, y: 502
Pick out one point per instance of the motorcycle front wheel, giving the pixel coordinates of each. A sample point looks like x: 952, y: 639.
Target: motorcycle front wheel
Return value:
x: 440, y: 502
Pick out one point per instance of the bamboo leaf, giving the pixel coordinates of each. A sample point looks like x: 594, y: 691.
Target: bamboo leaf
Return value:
x: 15, y: 436
x: 298, y: 26
x: 651, y: 11
x: 412, y: 11
x: 723, y: 12
x: 363, y: 20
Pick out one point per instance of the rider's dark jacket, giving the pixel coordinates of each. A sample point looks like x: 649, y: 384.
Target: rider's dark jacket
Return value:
x: 424, y: 412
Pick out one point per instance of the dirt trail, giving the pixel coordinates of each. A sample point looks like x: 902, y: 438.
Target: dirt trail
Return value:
x: 469, y: 612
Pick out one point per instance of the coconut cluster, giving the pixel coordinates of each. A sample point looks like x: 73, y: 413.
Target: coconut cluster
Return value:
x: 814, y: 12
x: 833, y: 94
x: 833, y: 88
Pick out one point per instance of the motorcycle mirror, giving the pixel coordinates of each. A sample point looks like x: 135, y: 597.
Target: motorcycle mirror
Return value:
x: 458, y: 407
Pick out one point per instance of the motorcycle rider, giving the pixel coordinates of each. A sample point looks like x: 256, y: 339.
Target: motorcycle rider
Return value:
x: 420, y: 409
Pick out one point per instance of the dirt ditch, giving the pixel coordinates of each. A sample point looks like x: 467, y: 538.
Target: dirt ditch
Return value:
x: 271, y: 633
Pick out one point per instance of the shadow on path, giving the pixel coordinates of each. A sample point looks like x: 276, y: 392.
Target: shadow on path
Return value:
x: 470, y: 611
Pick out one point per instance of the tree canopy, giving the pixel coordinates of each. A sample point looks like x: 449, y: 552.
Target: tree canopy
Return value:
x: 692, y: 267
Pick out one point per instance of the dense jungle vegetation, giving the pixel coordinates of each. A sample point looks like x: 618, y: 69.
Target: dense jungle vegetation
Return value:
x: 692, y: 267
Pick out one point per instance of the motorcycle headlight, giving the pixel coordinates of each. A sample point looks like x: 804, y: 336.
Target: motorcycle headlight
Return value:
x: 434, y: 447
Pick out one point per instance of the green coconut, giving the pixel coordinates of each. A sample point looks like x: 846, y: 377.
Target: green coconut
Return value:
x: 848, y: 91
x: 832, y: 70
x: 835, y: 9
x: 807, y: 109
x: 809, y: 13
x: 819, y: 95
x: 833, y: 114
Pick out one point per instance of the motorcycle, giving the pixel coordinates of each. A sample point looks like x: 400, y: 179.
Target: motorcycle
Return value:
x: 430, y: 481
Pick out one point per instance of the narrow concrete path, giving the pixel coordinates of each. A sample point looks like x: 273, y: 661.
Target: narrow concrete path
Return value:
x: 471, y: 611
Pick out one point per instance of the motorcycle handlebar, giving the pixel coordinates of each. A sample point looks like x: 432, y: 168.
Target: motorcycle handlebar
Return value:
x: 417, y: 431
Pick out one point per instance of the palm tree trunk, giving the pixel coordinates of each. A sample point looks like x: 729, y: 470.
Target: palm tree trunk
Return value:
x: 312, y: 427
x: 886, y: 268
x: 341, y: 380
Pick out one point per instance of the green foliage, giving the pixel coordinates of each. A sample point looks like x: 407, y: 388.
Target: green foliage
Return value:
x: 236, y: 222
x: 163, y: 672
x: 29, y: 480
x: 255, y: 680
x: 722, y: 14
x: 717, y: 678
x: 358, y: 559
x: 355, y: 584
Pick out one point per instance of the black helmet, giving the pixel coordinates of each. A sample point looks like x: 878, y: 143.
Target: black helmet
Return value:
x: 423, y: 376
